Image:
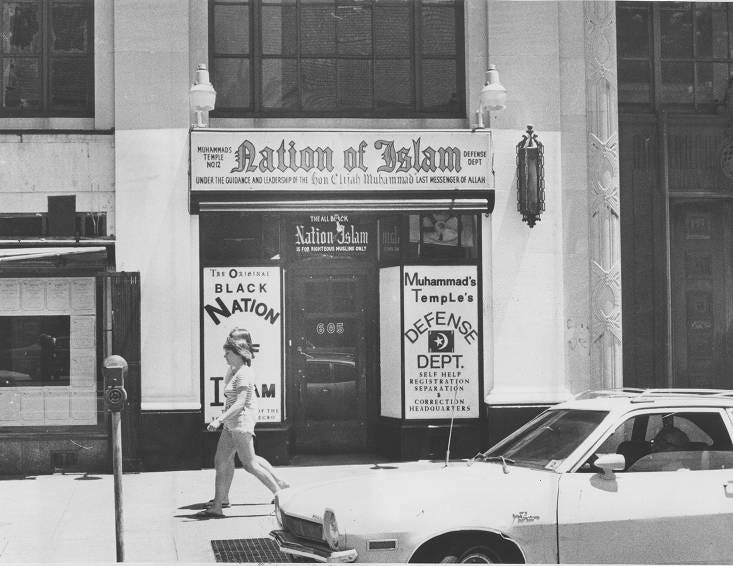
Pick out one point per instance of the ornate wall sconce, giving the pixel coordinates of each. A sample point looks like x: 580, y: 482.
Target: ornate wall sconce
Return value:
x: 530, y: 177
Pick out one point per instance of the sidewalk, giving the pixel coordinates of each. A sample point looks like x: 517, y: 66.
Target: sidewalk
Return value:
x: 70, y: 517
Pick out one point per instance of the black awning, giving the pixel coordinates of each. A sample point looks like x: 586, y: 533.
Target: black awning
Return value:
x: 53, y: 260
x: 378, y: 201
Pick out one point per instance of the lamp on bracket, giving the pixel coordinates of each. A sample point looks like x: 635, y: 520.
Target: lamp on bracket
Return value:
x: 492, y: 97
x: 202, y: 97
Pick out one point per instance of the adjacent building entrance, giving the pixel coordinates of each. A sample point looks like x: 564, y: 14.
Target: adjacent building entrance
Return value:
x: 328, y: 358
x: 702, y: 294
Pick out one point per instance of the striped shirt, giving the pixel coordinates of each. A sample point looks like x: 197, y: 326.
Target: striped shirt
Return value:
x: 239, y: 388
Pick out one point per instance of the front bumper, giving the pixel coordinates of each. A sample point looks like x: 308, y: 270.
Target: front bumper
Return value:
x: 315, y: 552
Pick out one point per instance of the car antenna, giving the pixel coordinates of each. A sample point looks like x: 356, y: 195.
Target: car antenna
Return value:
x: 450, y: 430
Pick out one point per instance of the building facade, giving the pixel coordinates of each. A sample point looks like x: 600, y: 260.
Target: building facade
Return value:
x: 391, y: 294
x: 675, y: 153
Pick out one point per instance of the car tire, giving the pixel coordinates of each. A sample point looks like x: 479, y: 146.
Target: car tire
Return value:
x: 474, y: 554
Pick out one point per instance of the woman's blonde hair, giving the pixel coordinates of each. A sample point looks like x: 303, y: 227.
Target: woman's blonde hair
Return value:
x: 239, y: 341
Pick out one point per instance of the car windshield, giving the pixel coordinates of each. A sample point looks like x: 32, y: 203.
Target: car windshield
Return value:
x: 547, y: 440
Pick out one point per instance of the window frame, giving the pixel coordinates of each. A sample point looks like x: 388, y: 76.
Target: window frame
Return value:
x: 34, y: 356
x: 655, y: 60
x: 255, y: 57
x: 420, y: 250
x: 45, y: 56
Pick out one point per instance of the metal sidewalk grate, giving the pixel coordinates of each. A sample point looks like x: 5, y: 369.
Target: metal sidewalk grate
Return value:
x: 261, y: 550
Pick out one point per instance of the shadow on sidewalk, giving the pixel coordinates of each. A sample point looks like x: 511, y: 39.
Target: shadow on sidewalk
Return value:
x: 200, y: 506
x: 18, y: 477
x: 196, y: 517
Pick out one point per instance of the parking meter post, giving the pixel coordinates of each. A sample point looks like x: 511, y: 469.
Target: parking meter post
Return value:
x: 117, y: 469
x: 114, y: 369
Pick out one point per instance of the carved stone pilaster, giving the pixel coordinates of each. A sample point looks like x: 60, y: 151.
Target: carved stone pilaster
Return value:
x: 603, y: 177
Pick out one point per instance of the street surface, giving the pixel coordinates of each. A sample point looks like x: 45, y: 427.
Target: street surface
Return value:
x: 70, y: 517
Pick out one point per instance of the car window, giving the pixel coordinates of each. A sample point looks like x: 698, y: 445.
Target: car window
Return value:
x: 621, y: 434
x: 670, y: 440
x: 692, y: 430
x: 549, y: 439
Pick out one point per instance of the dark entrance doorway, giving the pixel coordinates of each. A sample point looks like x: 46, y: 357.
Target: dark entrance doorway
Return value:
x: 328, y: 358
x: 702, y: 290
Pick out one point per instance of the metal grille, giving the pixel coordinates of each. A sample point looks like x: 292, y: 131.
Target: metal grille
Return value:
x: 259, y: 550
x: 304, y: 529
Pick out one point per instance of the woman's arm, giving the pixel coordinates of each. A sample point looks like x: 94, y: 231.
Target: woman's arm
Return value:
x: 244, y: 393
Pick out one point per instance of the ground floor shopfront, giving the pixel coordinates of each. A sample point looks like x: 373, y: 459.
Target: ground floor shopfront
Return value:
x: 364, y: 349
x: 382, y: 313
x: 365, y: 312
x: 56, y: 325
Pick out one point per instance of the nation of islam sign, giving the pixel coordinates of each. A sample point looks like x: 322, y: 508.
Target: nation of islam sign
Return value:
x: 317, y: 160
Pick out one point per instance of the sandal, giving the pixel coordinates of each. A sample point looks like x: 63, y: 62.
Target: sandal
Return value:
x: 210, y: 503
x: 208, y: 514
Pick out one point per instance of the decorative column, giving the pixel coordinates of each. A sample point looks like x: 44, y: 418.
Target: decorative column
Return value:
x: 603, y: 177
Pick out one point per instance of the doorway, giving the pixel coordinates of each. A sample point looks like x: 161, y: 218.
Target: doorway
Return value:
x: 702, y: 294
x: 328, y: 358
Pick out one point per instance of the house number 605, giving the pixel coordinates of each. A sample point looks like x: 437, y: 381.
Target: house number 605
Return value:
x: 330, y: 328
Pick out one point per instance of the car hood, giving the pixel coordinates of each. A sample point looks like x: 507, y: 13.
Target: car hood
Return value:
x: 387, y: 498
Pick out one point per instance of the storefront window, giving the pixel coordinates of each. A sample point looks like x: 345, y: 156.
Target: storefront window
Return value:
x: 34, y: 350
x: 339, y: 236
x: 233, y: 237
x: 436, y: 235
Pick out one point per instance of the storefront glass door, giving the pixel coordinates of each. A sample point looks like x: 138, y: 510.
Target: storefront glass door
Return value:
x: 328, y: 359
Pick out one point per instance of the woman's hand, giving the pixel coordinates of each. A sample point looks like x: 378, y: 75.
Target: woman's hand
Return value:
x: 213, y: 425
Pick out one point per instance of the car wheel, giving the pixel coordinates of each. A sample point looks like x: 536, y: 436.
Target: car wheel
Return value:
x: 479, y: 554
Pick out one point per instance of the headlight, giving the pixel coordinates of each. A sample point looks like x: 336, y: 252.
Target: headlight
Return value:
x: 278, y: 513
x: 330, y: 529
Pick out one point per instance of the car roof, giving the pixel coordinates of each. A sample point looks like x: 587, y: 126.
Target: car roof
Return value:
x: 632, y: 398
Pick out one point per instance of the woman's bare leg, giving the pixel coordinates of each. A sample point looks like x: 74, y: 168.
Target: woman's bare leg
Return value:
x: 252, y: 462
x: 224, y: 465
x: 282, y: 484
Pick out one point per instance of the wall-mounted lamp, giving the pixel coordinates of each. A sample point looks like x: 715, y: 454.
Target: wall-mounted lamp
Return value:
x: 202, y: 97
x: 530, y: 177
x: 492, y: 97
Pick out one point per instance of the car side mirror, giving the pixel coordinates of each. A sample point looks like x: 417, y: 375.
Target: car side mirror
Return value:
x: 610, y: 463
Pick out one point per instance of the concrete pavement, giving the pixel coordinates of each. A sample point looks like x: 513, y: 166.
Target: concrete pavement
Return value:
x: 70, y: 517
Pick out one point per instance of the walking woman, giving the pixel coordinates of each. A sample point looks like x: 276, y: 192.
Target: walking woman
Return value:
x: 238, y: 420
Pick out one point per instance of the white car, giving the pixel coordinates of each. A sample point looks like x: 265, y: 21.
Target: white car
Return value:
x: 623, y: 476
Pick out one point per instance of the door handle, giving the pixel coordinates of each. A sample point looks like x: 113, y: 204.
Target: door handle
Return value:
x: 300, y: 386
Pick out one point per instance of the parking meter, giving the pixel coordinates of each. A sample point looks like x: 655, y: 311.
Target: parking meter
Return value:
x: 114, y: 369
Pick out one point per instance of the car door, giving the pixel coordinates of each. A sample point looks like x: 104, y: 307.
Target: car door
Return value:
x: 673, y: 507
